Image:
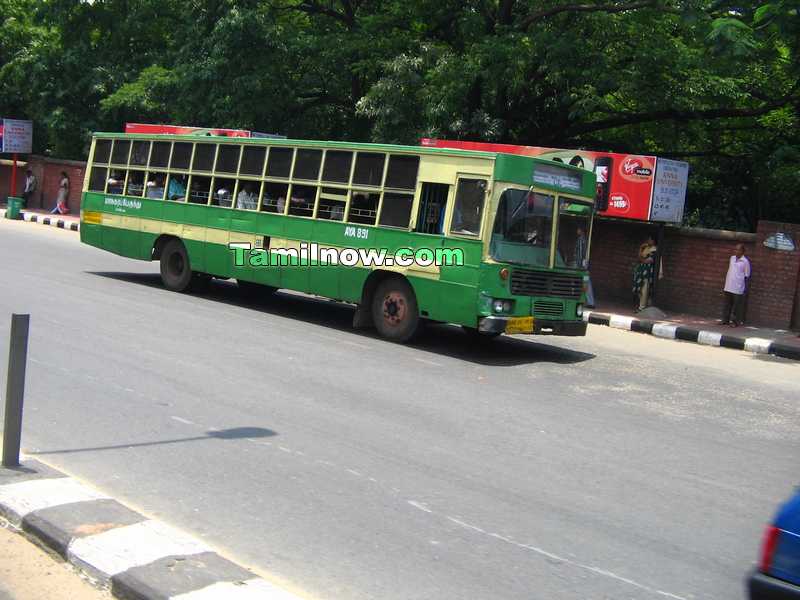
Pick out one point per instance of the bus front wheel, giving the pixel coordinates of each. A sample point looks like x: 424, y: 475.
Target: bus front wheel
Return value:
x: 176, y: 271
x: 394, y: 310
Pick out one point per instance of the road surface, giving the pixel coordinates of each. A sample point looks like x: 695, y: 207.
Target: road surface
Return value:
x: 348, y: 468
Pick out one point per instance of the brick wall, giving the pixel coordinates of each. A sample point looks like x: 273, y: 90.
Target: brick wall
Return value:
x: 48, y: 172
x: 695, y: 262
x: 775, y: 278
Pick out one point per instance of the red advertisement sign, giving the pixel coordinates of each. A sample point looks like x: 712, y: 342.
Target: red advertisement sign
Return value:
x: 629, y: 176
x: 150, y: 129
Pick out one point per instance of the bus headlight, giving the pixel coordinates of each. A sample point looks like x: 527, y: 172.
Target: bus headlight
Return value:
x: 503, y: 306
x: 579, y: 310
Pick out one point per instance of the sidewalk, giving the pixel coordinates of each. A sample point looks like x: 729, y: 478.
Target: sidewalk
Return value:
x: 701, y: 330
x: 29, y: 573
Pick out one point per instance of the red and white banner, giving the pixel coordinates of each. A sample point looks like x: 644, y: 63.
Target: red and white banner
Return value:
x: 630, y: 177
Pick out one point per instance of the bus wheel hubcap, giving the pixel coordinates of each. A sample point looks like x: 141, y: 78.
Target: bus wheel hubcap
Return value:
x: 394, y: 308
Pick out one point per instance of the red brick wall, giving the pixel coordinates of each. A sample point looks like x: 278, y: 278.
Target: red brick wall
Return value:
x: 695, y: 263
x: 48, y: 172
x: 775, y: 278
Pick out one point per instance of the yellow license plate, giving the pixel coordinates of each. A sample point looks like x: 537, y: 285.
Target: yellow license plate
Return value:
x: 520, y: 325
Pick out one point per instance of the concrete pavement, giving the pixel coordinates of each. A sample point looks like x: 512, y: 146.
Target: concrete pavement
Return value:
x: 612, y: 466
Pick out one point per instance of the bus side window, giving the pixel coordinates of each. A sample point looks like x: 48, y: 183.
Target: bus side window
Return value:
x: 396, y: 211
x: 223, y: 192
x: 135, y: 183
x: 97, y: 179
x: 468, y: 209
x: 200, y: 189
x: 274, y: 197
x: 116, y: 180
x: 363, y: 207
x: 176, y: 188
x: 155, y: 185
x: 432, y: 204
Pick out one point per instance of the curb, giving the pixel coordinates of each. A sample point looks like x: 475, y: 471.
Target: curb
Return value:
x: 135, y: 557
x: 47, y: 220
x: 52, y: 221
x: 672, y: 331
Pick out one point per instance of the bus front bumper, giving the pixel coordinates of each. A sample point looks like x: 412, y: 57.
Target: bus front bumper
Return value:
x: 496, y: 324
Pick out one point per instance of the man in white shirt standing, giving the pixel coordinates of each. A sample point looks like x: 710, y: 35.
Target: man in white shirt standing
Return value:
x: 737, y: 283
x: 30, y: 186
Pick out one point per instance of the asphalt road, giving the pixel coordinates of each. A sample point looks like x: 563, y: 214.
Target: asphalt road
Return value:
x: 613, y: 466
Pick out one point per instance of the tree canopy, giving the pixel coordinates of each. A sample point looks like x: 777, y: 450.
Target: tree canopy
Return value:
x: 714, y: 82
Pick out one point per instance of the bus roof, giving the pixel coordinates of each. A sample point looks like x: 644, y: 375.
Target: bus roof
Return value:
x: 328, y: 144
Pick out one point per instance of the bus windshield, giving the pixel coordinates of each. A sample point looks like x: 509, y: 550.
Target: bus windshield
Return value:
x: 523, y: 228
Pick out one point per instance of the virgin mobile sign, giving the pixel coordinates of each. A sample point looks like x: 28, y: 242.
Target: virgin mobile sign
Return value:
x: 629, y: 178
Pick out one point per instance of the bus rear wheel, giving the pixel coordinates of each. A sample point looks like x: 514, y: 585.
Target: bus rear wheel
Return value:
x: 394, y: 310
x: 176, y: 271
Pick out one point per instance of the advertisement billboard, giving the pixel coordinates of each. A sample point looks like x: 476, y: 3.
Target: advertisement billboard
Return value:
x: 16, y: 137
x: 628, y: 178
x: 150, y: 129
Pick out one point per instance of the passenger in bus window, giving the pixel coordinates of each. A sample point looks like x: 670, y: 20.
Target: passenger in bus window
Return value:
x: 155, y: 187
x: 115, y: 182
x: 224, y: 197
x: 176, y: 190
x: 246, y: 199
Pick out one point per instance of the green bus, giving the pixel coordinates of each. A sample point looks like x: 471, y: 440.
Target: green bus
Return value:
x: 518, y: 227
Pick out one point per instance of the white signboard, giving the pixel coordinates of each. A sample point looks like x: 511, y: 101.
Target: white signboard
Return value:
x: 17, y: 136
x: 669, y: 191
x: 554, y: 176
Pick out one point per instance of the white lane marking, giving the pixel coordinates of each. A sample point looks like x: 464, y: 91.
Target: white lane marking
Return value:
x: 466, y: 525
x: 353, y: 472
x: 758, y: 345
x: 19, y: 499
x: 562, y: 559
x: 285, y: 449
x: 428, y: 362
x: 123, y: 548
x: 182, y: 420
x: 252, y: 589
x: 709, y: 338
x: 665, y: 330
x: 420, y: 506
x: 620, y: 322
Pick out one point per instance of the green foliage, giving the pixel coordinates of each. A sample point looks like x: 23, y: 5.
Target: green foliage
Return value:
x: 710, y: 81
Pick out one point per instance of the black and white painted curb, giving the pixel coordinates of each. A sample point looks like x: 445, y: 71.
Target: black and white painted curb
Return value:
x: 672, y: 331
x: 53, y: 221
x: 135, y: 557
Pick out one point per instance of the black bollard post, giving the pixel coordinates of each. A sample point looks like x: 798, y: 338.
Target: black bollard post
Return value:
x: 15, y: 389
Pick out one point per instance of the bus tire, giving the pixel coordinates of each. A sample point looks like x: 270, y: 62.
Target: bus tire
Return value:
x: 176, y: 271
x: 254, y: 291
x: 394, y: 310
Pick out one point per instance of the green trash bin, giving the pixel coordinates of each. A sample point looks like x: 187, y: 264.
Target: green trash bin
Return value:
x: 14, y: 208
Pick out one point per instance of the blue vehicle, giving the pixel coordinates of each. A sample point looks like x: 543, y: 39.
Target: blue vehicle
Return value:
x: 778, y: 574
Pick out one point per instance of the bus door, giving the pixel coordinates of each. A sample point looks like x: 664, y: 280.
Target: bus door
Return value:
x: 460, y: 283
